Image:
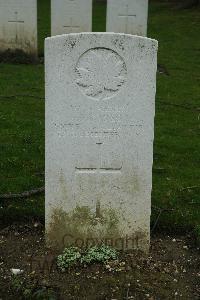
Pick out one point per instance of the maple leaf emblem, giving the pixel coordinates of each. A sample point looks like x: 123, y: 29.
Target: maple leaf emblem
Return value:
x: 100, y: 73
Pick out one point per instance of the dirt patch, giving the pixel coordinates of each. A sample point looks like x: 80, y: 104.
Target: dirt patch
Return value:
x: 171, y: 270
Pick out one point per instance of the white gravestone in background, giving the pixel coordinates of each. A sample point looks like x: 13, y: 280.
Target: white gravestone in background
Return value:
x: 18, y: 25
x: 100, y: 94
x: 69, y: 16
x: 127, y: 16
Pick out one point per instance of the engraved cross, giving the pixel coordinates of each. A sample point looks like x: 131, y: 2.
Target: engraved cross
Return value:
x: 100, y: 168
x: 16, y: 19
x: 127, y: 16
x: 71, y: 27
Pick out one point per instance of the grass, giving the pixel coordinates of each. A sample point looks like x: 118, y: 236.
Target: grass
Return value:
x: 177, y: 143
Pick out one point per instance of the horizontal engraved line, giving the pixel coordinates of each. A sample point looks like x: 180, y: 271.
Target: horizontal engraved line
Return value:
x: 127, y: 15
x: 98, y: 170
x: 68, y: 26
x: 15, y: 21
x: 111, y: 169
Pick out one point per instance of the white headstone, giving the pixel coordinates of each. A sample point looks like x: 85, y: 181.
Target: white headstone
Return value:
x: 18, y: 25
x: 127, y: 16
x: 70, y: 16
x: 100, y: 94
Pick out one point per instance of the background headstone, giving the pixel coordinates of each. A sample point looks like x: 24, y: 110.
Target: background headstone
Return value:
x: 127, y: 16
x: 18, y: 25
x: 70, y: 16
x: 100, y: 94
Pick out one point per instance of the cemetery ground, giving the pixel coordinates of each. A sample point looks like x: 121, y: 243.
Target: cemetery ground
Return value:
x: 172, y: 268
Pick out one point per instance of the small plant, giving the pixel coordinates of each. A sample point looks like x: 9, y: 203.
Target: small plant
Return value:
x: 73, y: 255
x: 68, y: 258
x: 99, y: 255
x: 16, y: 283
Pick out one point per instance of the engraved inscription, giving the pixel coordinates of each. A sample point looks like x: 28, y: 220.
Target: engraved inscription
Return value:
x: 100, y: 73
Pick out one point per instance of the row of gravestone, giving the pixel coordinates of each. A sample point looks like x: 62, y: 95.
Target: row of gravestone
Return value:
x: 18, y: 20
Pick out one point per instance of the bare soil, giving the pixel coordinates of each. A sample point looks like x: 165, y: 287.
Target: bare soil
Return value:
x: 170, y: 271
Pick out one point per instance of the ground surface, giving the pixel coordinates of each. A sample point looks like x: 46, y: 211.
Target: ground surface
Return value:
x: 171, y: 271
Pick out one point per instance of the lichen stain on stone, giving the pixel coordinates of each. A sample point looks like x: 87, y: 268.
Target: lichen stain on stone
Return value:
x: 18, y: 56
x: 63, y: 186
x: 131, y: 184
x: 70, y: 43
x: 28, y: 45
x: 119, y: 42
x: 80, y: 226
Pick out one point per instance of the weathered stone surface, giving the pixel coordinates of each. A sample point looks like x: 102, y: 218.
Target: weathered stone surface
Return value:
x: 70, y: 16
x: 127, y: 16
x: 18, y: 25
x: 100, y: 93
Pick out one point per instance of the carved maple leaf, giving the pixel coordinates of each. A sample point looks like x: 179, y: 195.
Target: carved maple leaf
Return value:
x: 101, y: 72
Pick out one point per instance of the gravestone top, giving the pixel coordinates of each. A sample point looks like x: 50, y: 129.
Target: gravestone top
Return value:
x: 100, y: 94
x: 127, y: 16
x: 68, y: 16
x: 18, y: 25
